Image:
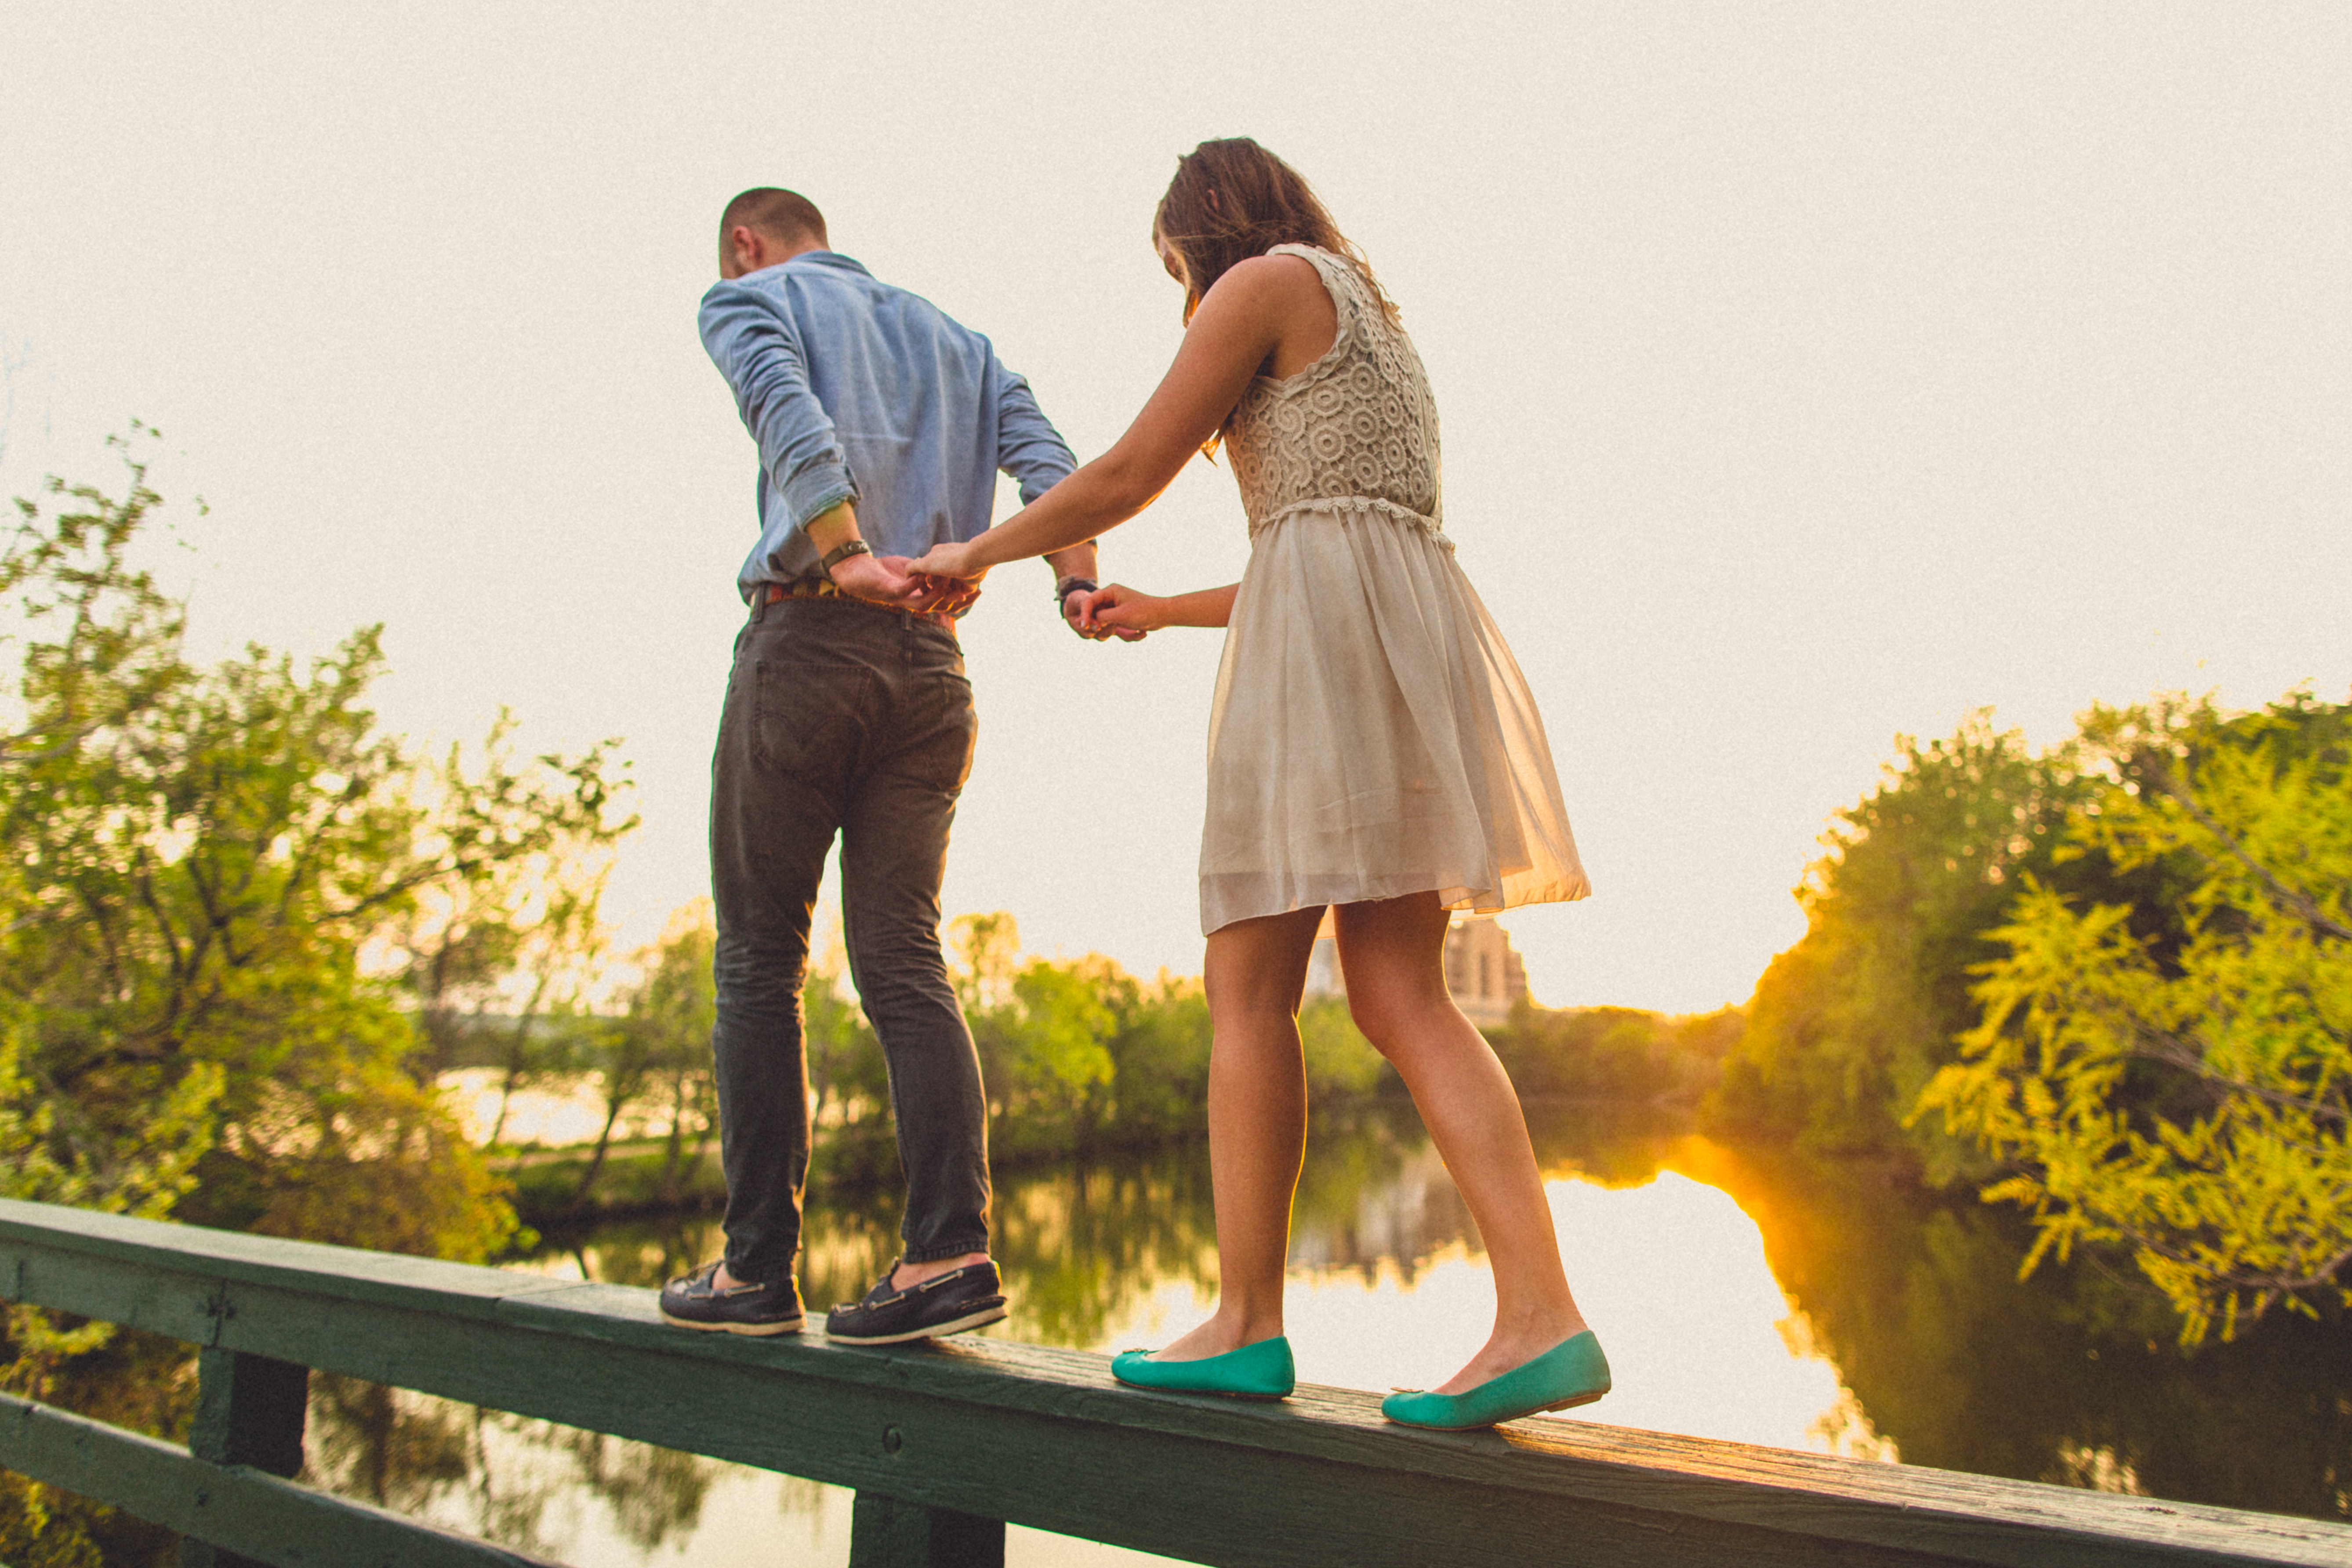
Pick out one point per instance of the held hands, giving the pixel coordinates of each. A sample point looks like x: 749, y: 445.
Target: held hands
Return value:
x: 1078, y: 608
x: 1117, y: 611
x: 944, y: 595
x: 948, y: 574
x: 888, y: 580
x: 949, y: 577
x: 950, y: 560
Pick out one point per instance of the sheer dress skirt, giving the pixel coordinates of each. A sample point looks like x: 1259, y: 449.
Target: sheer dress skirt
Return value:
x: 1371, y: 735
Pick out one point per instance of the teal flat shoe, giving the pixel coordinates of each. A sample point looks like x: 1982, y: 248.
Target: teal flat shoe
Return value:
x: 1572, y: 1373
x: 1261, y: 1371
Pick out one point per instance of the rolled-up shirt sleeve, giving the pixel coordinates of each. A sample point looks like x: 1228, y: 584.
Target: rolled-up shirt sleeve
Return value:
x: 1028, y: 447
x: 756, y: 348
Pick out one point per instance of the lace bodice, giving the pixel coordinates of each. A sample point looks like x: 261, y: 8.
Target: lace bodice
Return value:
x: 1356, y: 425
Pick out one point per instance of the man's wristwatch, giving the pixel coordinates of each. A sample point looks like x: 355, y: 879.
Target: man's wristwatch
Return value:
x: 841, y: 553
x: 1067, y: 586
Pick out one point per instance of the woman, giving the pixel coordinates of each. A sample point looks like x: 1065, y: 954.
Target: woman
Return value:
x: 1373, y: 749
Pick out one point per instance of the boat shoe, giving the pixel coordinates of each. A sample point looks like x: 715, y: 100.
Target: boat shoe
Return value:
x: 958, y: 1299
x: 699, y: 1302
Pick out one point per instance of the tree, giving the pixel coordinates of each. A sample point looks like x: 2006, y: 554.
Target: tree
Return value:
x: 2178, y: 1080
x: 660, y: 1042
x: 1614, y: 1053
x: 1848, y: 1026
x: 204, y: 1008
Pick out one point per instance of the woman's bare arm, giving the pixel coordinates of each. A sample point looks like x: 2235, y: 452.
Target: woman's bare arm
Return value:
x: 1120, y: 607
x: 1240, y: 327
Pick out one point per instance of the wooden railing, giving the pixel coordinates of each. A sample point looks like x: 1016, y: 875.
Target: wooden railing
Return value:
x: 944, y: 1443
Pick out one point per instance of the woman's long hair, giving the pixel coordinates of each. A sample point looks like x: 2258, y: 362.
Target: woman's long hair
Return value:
x: 1231, y: 200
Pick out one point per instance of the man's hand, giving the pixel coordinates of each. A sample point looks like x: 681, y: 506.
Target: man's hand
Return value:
x: 1119, y: 611
x: 878, y: 579
x: 1079, y: 609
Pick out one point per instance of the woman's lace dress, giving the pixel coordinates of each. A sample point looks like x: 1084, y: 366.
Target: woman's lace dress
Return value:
x: 1371, y: 735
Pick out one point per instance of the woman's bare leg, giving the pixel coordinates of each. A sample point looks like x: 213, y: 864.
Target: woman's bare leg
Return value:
x: 1258, y: 1121
x: 1393, y: 955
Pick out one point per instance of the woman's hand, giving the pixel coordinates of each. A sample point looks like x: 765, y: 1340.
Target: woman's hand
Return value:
x: 1121, y: 610
x: 950, y: 596
x: 950, y: 560
x: 1078, y: 608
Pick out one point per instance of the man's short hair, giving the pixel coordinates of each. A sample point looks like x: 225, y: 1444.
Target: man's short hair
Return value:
x: 779, y: 214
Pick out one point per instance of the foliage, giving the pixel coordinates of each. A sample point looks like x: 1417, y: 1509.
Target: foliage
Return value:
x: 845, y: 1059
x: 415, y: 1454
x: 1848, y: 1026
x: 2068, y: 1376
x: 1079, y: 1057
x: 1613, y: 1053
x: 2185, y: 1093
x: 660, y: 1043
x: 221, y: 889
x: 205, y: 863
x: 1080, y: 1054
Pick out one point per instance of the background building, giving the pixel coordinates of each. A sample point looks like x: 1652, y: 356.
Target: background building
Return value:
x: 1482, y: 969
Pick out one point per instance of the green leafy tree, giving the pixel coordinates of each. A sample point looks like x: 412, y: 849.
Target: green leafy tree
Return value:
x: 849, y: 1083
x: 1614, y: 1053
x: 205, y: 1007
x: 658, y: 1048
x: 1066, y: 1014
x: 682, y: 997
x: 1847, y: 1026
x: 2181, y: 1086
x: 1159, y: 1051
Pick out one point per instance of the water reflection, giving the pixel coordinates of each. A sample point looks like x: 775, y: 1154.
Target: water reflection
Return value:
x: 2071, y: 1376
x: 1833, y: 1311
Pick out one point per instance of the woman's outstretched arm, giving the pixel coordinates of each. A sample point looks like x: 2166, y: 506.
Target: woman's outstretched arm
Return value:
x: 1121, y: 608
x: 1236, y: 330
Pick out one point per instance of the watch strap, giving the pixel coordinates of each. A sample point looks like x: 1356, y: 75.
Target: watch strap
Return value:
x: 841, y: 553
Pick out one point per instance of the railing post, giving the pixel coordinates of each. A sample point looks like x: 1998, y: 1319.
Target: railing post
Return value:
x: 249, y: 1411
x: 887, y: 1533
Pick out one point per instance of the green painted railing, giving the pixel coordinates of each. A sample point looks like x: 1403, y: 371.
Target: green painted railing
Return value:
x: 943, y: 1444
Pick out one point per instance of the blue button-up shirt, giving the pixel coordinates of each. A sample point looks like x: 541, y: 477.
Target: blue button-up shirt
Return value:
x: 856, y: 391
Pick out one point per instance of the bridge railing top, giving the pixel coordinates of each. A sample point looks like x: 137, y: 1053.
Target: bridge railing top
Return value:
x: 1043, y: 1437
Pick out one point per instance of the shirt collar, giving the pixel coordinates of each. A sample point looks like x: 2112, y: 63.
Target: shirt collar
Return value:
x: 826, y: 258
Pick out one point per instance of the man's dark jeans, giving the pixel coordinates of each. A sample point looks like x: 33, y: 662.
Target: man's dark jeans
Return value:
x: 841, y: 717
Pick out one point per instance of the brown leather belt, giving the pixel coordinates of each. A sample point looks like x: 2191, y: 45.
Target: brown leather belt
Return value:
x: 823, y: 588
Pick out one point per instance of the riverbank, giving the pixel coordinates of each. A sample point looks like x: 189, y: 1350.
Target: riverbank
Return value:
x: 591, y: 1150
x: 561, y: 1191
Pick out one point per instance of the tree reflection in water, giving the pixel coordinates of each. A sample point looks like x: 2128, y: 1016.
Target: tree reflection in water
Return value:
x: 495, y: 1474
x: 2071, y: 1376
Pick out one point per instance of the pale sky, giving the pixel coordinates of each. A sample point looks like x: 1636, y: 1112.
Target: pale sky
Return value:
x: 1809, y: 373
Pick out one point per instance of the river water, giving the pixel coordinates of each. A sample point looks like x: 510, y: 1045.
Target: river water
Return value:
x: 1831, y: 1310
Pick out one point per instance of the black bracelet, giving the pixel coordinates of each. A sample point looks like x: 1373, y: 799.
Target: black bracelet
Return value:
x: 1069, y: 585
x: 841, y: 553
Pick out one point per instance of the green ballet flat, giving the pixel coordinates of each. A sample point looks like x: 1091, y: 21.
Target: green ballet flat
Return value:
x: 1572, y: 1373
x: 1261, y: 1371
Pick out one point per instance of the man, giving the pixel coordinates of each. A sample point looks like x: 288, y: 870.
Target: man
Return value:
x: 881, y: 426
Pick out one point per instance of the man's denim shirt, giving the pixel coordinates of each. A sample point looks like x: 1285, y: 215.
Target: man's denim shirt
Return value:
x: 856, y: 391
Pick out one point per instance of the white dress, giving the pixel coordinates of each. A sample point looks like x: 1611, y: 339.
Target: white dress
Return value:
x: 1371, y: 735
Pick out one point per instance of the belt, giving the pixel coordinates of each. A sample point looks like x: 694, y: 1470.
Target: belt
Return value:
x: 824, y: 588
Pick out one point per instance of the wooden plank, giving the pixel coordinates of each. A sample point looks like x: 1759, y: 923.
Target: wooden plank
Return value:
x: 1043, y: 1437
x: 233, y: 1506
x: 887, y: 1533
x: 250, y: 1410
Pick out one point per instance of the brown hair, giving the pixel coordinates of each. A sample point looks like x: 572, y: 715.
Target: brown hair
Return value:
x: 1231, y: 200
x: 781, y: 215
